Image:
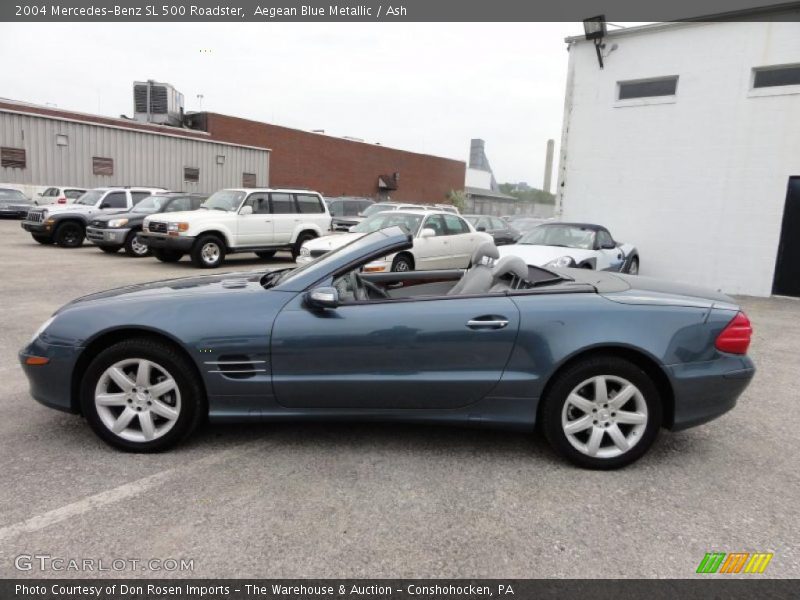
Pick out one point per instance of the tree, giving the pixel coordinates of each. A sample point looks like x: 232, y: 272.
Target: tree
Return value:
x: 458, y: 199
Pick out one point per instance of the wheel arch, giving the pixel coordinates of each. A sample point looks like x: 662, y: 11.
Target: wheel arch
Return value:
x: 107, y: 338
x: 637, y: 356
x: 311, y: 228
x: 218, y: 232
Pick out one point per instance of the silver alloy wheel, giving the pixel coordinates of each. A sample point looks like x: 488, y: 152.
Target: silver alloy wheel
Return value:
x: 210, y: 253
x: 604, y: 416
x: 138, y: 247
x: 137, y: 400
x: 402, y: 267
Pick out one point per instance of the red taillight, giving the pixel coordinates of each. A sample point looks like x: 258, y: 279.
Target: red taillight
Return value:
x: 735, y: 338
x: 62, y: 200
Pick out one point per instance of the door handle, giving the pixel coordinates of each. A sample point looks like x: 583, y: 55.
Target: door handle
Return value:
x: 493, y: 323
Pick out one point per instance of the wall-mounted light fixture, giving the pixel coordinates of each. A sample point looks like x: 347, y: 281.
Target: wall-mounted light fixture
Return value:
x: 594, y: 29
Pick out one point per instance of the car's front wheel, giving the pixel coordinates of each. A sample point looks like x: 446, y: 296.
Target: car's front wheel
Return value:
x: 141, y: 395
x: 69, y: 235
x: 208, y: 252
x: 402, y: 264
x: 602, y: 413
x: 134, y: 247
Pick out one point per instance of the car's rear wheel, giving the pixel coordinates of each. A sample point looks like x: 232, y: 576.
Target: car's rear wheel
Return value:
x: 602, y: 413
x: 301, y: 239
x: 167, y: 256
x: 134, y: 247
x: 402, y: 263
x: 141, y: 395
x: 265, y: 254
x: 69, y: 235
x: 109, y: 249
x: 208, y: 252
x: 43, y: 239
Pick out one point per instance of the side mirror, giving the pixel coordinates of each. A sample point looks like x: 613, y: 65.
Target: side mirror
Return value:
x: 427, y: 233
x: 481, y: 228
x: 105, y: 205
x: 246, y: 210
x: 323, y: 297
x: 609, y: 246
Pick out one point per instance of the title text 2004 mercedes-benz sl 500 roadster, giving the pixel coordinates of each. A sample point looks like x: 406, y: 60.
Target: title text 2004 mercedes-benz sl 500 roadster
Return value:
x: 600, y: 361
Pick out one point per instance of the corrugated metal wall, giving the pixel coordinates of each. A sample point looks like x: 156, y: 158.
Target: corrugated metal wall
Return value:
x: 140, y: 158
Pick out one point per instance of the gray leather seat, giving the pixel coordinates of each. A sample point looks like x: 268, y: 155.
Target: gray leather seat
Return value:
x: 478, y: 279
x: 508, y: 274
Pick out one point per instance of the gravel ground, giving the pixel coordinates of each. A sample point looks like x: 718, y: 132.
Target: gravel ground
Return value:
x: 365, y: 500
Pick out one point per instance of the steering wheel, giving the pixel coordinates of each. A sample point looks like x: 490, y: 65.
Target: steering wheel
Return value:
x: 362, y: 287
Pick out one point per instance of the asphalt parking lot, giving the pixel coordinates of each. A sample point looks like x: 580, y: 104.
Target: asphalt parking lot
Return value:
x: 365, y: 500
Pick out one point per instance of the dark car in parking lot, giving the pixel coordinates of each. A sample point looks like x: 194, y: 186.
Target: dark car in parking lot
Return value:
x: 600, y: 360
x: 501, y: 232
x: 121, y: 230
x: 14, y: 203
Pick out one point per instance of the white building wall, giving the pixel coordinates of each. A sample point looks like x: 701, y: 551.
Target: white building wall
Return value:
x: 140, y: 158
x: 697, y: 182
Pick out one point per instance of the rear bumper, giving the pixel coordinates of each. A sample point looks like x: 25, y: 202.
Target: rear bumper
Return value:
x: 107, y: 237
x: 167, y: 242
x: 707, y: 390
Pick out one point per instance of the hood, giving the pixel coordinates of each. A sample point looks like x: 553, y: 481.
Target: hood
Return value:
x: 195, y: 216
x: 538, y: 256
x: 53, y: 209
x: 106, y: 217
x: 225, y: 283
x: 332, y: 242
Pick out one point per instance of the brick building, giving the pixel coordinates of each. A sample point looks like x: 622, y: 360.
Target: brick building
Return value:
x: 339, y: 166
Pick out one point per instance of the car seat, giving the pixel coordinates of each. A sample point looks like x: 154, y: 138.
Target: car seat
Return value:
x: 509, y: 273
x: 478, y: 279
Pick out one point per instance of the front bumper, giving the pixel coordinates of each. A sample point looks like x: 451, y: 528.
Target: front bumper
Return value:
x: 107, y: 237
x: 707, y: 390
x: 51, y: 384
x: 38, y: 228
x: 167, y: 242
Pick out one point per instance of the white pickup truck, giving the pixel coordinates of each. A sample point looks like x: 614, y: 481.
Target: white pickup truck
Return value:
x: 256, y: 220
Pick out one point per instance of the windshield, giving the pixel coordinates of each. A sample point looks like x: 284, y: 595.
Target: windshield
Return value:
x: 567, y: 236
x: 388, y: 219
x: 376, y: 208
x: 14, y: 195
x: 151, y: 204
x: 90, y: 198
x: 227, y: 200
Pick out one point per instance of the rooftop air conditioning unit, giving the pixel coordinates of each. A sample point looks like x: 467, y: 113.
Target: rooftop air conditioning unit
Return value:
x: 155, y: 102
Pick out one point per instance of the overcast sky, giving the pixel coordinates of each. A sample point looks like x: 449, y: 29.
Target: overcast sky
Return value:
x: 420, y: 87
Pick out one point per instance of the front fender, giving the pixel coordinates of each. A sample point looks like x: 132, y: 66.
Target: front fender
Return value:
x: 217, y: 228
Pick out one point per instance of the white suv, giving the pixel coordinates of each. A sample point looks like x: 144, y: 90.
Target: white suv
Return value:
x: 238, y: 220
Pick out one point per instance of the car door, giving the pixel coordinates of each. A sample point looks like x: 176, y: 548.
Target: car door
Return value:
x: 436, y: 353
x: 284, y: 217
x: 463, y: 241
x: 432, y: 252
x: 609, y: 257
x: 256, y: 228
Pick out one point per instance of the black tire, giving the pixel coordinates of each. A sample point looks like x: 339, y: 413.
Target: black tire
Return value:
x: 633, y: 267
x: 298, y: 243
x: 193, y: 406
x: 134, y: 248
x: 43, y: 239
x: 110, y: 249
x: 553, y: 408
x: 167, y: 256
x: 69, y: 235
x: 265, y: 254
x: 208, y: 252
x: 402, y: 263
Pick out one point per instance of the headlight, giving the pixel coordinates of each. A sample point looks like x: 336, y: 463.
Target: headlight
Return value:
x: 177, y: 227
x: 117, y: 222
x: 41, y: 329
x: 561, y: 262
x: 305, y: 251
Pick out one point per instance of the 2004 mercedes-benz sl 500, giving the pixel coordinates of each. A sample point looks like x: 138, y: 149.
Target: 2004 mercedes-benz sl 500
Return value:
x: 600, y: 361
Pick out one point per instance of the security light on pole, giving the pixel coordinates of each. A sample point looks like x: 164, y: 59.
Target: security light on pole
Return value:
x: 595, y: 29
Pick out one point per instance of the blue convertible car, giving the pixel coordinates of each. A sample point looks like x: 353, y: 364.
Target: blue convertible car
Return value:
x: 599, y: 361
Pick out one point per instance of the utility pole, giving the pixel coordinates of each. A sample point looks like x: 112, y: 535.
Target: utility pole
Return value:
x: 548, y: 165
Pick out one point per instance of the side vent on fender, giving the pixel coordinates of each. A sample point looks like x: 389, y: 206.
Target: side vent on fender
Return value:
x: 236, y: 366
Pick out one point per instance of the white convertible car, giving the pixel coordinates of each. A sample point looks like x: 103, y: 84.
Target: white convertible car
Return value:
x: 442, y: 240
x: 578, y: 245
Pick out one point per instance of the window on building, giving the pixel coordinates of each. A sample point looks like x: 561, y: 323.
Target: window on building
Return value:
x: 776, y: 76
x: 13, y: 158
x: 282, y: 204
x: 191, y: 174
x: 102, y: 166
x: 62, y: 140
x: 647, y: 88
x: 249, y: 180
x: 309, y: 203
